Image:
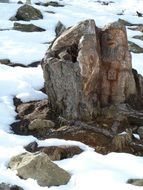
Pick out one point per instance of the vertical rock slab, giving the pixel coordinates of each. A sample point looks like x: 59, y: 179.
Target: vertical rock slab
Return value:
x: 117, y: 81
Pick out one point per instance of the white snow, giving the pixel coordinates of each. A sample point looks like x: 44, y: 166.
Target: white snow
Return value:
x: 89, y: 169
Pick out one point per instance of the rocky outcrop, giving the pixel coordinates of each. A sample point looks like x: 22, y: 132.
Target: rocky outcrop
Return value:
x: 27, y: 13
x: 27, y: 27
x: 39, y: 167
x: 86, y: 67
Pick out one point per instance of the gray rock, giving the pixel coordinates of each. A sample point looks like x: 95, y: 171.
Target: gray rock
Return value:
x: 5, y: 61
x: 27, y: 13
x: 4, y: 1
x: 126, y: 23
x: 140, y: 132
x: 4, y: 186
x: 59, y: 28
x: 134, y: 47
x: 27, y: 27
x: 140, y: 37
x: 39, y: 167
x: 137, y: 182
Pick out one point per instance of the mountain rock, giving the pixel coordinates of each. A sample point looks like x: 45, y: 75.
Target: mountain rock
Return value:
x: 87, y: 67
x: 38, y: 166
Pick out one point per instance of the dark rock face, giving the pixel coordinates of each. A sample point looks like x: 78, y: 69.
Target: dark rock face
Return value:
x: 27, y: 13
x: 86, y: 67
x: 27, y: 27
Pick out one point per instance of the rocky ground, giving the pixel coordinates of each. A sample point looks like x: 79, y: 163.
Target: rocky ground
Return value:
x: 90, y: 93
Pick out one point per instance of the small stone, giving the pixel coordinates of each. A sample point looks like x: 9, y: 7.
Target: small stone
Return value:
x: 32, y: 147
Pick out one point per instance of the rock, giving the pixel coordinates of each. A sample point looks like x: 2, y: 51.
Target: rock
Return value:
x: 39, y: 167
x: 137, y: 182
x: 55, y: 152
x: 59, y: 28
x: 138, y: 37
x: 86, y: 67
x: 5, y: 61
x: 41, y: 124
x: 104, y: 2
x: 139, y: 14
x: 27, y: 27
x: 32, y: 147
x: 4, y: 1
x: 13, y: 18
x: 50, y: 3
x: 27, y: 13
x: 124, y: 22
x: 138, y: 27
x: 4, y: 186
x: 34, y: 110
x: 19, y: 2
x: 140, y: 132
x: 122, y: 140
x: 61, y: 152
x: 134, y: 47
x: 28, y: 112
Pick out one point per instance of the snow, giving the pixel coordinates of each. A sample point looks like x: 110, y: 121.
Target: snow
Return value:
x: 89, y: 169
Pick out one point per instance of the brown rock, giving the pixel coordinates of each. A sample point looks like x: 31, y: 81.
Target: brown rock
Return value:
x: 61, y: 152
x: 86, y: 67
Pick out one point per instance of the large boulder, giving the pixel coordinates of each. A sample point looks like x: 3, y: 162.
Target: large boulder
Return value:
x: 86, y: 67
x: 39, y: 167
x: 27, y: 13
